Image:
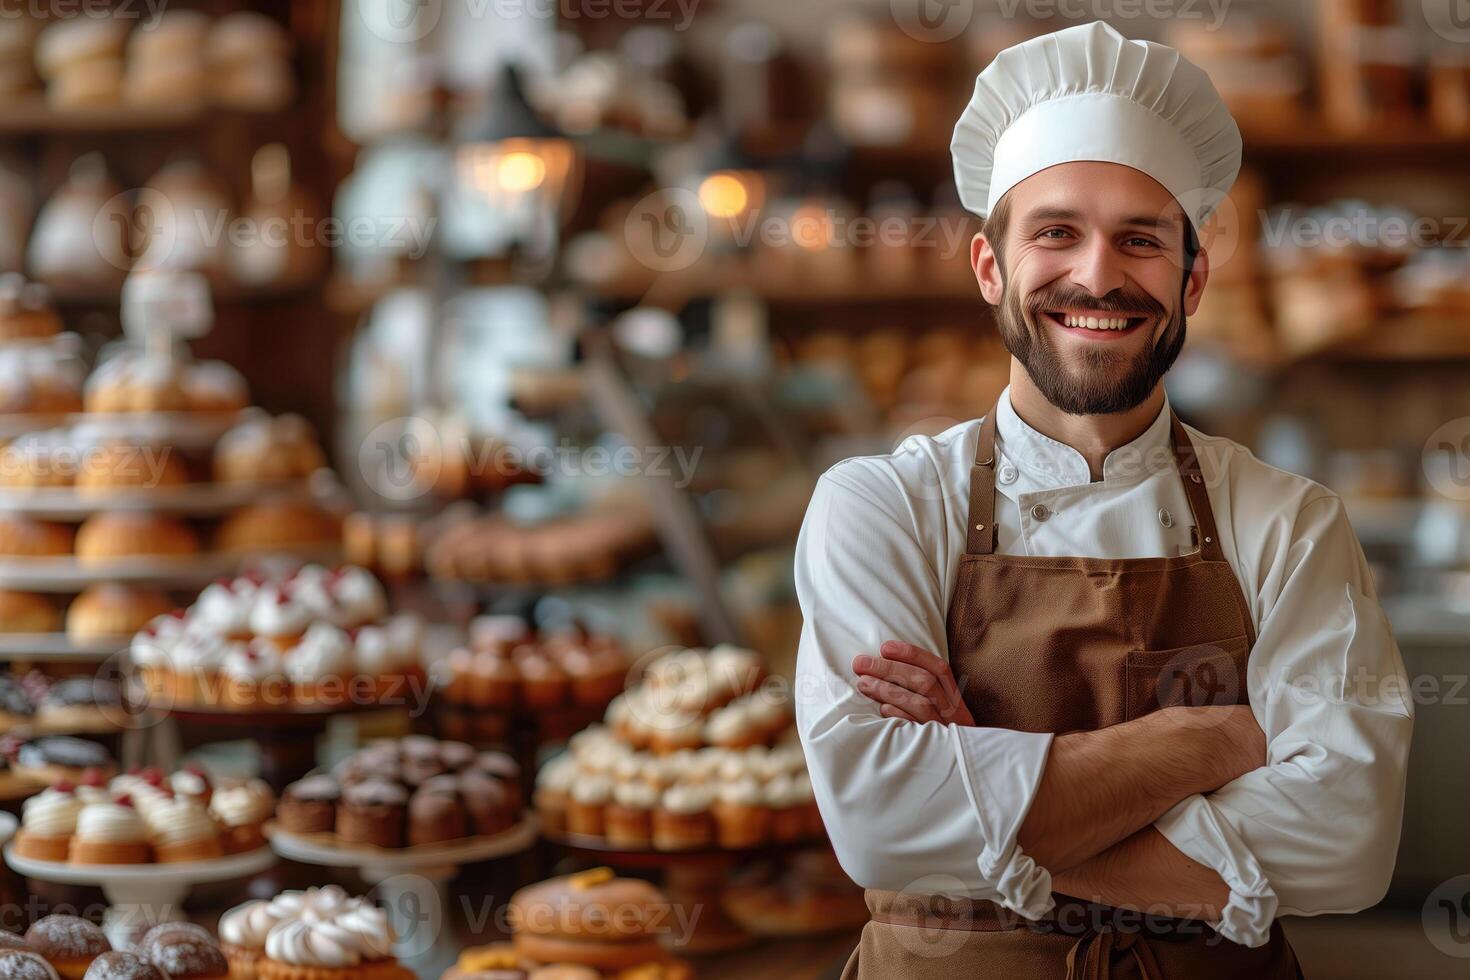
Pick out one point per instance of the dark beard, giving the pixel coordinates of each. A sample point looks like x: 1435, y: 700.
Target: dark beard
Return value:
x: 1105, y: 382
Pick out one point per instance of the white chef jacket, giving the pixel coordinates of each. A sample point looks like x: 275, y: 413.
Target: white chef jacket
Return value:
x: 936, y: 808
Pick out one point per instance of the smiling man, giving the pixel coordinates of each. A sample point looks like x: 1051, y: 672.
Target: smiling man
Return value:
x: 1074, y: 662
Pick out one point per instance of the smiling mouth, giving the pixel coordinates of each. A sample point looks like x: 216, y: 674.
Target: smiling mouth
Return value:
x: 1097, y: 322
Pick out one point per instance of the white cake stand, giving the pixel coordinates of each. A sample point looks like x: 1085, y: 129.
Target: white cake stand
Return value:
x: 139, y: 896
x: 412, y: 882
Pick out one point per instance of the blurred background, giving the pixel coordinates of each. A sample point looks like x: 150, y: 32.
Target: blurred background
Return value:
x: 582, y: 296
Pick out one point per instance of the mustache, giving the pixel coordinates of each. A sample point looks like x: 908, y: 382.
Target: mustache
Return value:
x: 1128, y: 299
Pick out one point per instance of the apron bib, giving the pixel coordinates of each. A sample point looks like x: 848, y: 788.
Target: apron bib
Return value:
x: 1076, y: 644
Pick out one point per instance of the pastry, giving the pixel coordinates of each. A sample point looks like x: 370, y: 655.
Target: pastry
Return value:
x: 437, y: 812
x: 80, y: 703
x: 265, y: 449
x: 280, y: 525
x: 173, y: 35
x: 121, y: 965
x: 110, y: 833
x: 68, y: 943
x: 17, y: 707
x: 106, y: 610
x: 242, y: 932
x: 48, y: 821
x: 586, y: 809
x: 24, y: 538
x: 20, y: 964
x: 112, y: 536
x: 682, y: 819
x: 353, y: 941
x: 53, y: 758
x: 184, y: 951
x: 68, y: 43
x: 214, y: 386
x: 38, y: 459
x: 784, y: 799
x: 26, y: 612
x: 741, y: 817
x: 9, y: 940
x: 25, y: 310
x: 553, y: 794
x: 372, y: 812
x: 319, y: 665
x: 491, y: 803
x: 629, y: 817
x: 183, y: 830
x: 133, y: 382
x: 190, y: 205
x: 116, y: 465
x: 242, y: 811
x: 309, y: 806
x: 80, y: 237
x: 590, y: 919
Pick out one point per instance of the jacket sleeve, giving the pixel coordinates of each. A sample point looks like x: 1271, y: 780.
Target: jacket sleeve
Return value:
x: 1315, y: 830
x: 925, y: 808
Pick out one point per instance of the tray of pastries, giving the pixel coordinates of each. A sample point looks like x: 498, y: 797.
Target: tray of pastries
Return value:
x: 68, y: 947
x: 40, y: 705
x: 314, y: 639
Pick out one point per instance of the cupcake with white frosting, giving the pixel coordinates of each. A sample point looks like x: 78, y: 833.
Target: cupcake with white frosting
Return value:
x: 48, y: 822
x: 741, y: 816
x: 110, y: 833
x: 241, y: 811
x: 682, y: 819
x: 183, y: 830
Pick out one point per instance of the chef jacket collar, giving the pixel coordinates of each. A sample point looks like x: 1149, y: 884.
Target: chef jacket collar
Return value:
x: 1052, y: 464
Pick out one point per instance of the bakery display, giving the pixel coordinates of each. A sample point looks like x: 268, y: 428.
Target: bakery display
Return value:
x: 697, y: 756
x: 143, y: 816
x: 49, y: 759
x: 262, y: 449
x: 314, y: 638
x: 316, y: 934
x: 35, y: 704
x: 587, y: 547
x: 407, y: 792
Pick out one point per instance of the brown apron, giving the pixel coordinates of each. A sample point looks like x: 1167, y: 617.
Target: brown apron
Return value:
x: 1076, y: 644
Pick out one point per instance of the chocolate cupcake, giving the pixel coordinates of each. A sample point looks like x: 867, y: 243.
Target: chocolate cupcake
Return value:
x: 121, y: 965
x: 421, y: 765
x: 68, y: 943
x: 437, y: 812
x: 372, y: 812
x: 488, y: 801
x: 309, y: 806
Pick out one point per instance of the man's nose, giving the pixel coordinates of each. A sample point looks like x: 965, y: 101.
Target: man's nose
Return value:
x: 1097, y: 268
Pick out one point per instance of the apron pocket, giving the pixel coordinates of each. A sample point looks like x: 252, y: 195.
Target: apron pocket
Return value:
x: 1201, y: 674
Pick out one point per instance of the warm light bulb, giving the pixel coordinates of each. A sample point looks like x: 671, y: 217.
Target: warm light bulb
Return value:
x: 723, y: 196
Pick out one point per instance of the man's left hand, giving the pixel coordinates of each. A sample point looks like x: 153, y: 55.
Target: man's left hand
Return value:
x: 911, y: 684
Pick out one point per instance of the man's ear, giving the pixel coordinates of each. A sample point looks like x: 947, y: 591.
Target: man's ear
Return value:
x: 1194, y: 286
x: 987, y: 269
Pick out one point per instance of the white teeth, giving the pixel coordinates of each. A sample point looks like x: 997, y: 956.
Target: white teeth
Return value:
x: 1095, y: 323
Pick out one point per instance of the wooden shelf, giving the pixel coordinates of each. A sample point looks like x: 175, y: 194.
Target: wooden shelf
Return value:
x: 35, y: 115
x: 1416, y: 337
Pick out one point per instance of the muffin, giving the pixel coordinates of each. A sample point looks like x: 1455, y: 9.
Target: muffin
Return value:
x: 132, y: 382
x: 741, y: 817
x: 182, y: 829
x: 242, y: 811
x: 281, y: 525
x: 629, y: 817
x: 24, y: 538
x: 106, y: 610
x: 115, y: 465
x: 309, y: 806
x: 682, y: 820
x: 586, y: 811
x: 48, y: 822
x: 592, y: 919
x: 110, y: 833
x: 121, y: 965
x: 372, y: 812
x: 68, y: 943
x: 437, y: 812
x: 108, y: 537
x: 242, y: 932
x: 490, y: 803
x: 553, y: 794
x: 26, y: 612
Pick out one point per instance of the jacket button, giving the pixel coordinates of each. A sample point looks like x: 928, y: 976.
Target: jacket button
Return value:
x: 1040, y: 512
x: 1007, y: 473
x: 1166, y: 518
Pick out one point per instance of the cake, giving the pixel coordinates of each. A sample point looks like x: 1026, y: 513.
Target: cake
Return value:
x: 68, y: 943
x: 48, y: 822
x: 183, y: 829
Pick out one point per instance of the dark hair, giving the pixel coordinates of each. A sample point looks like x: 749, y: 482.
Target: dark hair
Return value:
x: 995, y: 225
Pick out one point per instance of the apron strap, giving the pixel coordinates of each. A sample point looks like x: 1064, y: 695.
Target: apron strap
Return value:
x: 1091, y: 957
x: 980, y: 534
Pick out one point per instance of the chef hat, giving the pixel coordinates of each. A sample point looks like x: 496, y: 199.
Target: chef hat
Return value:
x: 1089, y: 93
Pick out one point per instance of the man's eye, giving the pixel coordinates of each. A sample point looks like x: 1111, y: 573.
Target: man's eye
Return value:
x: 1141, y: 243
x: 1054, y: 233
